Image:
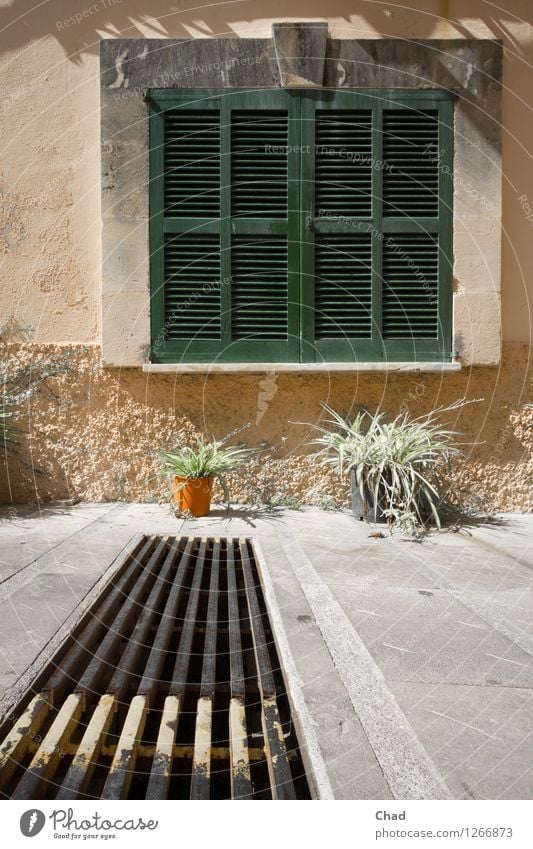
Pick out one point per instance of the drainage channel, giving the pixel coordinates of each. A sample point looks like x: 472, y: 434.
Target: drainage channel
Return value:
x: 170, y: 687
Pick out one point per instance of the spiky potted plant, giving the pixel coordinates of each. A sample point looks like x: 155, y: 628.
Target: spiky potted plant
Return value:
x: 193, y: 469
x: 394, y: 465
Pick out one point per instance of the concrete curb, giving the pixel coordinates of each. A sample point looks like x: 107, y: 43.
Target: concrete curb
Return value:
x: 310, y: 747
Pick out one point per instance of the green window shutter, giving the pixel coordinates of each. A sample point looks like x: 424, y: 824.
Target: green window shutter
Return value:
x: 300, y: 225
x: 191, y: 156
x: 416, y: 273
x: 261, y: 172
x: 259, y: 163
x: 376, y: 227
x: 259, y: 304
x: 224, y: 226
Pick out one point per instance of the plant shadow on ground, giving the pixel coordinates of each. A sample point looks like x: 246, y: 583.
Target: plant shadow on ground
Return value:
x: 454, y: 522
x: 250, y: 514
x: 455, y: 519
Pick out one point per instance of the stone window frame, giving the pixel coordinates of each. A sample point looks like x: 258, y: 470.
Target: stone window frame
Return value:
x: 301, y: 55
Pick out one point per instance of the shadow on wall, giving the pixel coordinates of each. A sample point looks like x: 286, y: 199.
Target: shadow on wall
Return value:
x: 79, y: 27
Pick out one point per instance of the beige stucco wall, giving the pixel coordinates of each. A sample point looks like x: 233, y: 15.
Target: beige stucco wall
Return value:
x: 99, y: 445
x: 51, y: 256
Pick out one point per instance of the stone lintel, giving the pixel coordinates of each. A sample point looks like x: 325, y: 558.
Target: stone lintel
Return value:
x: 300, y: 52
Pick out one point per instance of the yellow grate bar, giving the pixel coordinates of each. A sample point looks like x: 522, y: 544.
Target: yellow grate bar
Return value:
x: 88, y: 751
x: 52, y: 749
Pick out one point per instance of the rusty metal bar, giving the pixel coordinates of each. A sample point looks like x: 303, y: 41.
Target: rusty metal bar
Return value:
x: 262, y: 657
x: 148, y: 750
x: 156, y: 659
x: 201, y: 761
x: 164, y: 750
x: 183, y: 657
x: 102, y: 658
x: 241, y: 785
x: 234, y: 622
x: 202, y: 751
x: 48, y: 755
x: 123, y: 677
x: 87, y: 753
x: 66, y: 672
x: 207, y: 687
x: 123, y: 764
x: 16, y: 744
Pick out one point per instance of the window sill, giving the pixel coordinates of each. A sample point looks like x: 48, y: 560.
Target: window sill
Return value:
x: 298, y: 368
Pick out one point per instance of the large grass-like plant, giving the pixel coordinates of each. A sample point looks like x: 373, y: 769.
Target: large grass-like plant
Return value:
x: 203, y: 459
x: 397, y: 462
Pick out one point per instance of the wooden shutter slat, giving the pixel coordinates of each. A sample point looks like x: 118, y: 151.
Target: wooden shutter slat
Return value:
x: 259, y: 177
x: 410, y: 286
x: 192, y: 286
x: 191, y: 163
x: 411, y: 172
x: 259, y: 287
x: 343, y: 162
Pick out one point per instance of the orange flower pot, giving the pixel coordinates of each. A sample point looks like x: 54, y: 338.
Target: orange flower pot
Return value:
x: 193, y: 495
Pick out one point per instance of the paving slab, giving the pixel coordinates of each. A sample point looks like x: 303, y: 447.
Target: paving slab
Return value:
x: 28, y: 532
x: 481, y: 738
x: 427, y: 635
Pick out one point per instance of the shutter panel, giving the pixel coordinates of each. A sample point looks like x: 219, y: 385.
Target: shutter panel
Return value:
x: 224, y: 226
x: 260, y: 230
x: 343, y: 162
x: 192, y: 286
x: 185, y: 233
x: 410, y: 286
x: 411, y: 167
x: 416, y: 267
x: 259, y: 286
x: 192, y: 163
x: 376, y: 226
x: 259, y: 163
x: 343, y: 287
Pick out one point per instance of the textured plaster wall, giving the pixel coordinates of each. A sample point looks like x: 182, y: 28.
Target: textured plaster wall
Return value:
x: 50, y: 252
x: 96, y: 439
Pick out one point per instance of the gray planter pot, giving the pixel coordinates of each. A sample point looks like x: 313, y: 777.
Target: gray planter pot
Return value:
x: 366, y: 508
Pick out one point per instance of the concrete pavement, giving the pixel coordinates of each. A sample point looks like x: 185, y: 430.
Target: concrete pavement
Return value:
x: 414, y: 660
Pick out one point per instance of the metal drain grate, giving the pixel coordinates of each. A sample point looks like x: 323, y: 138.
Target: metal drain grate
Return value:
x: 170, y: 687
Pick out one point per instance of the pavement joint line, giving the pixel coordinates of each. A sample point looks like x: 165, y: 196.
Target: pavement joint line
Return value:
x: 406, y: 766
x: 485, y: 686
x: 464, y: 724
x: 502, y: 552
x: 32, y: 569
x: 509, y: 660
x: 310, y: 747
x: 518, y: 636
